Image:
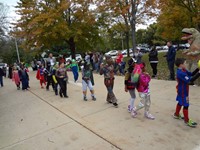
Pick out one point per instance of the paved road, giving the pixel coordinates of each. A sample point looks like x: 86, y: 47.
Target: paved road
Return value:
x: 39, y: 120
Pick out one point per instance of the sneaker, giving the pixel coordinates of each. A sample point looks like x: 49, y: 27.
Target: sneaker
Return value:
x: 94, y: 98
x: 85, y: 98
x: 178, y: 117
x: 149, y: 116
x: 129, y: 108
x: 60, y: 94
x: 115, y: 104
x: 191, y: 123
x: 133, y: 113
x: 66, y: 96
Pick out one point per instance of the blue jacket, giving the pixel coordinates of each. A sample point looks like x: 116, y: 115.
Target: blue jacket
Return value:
x: 171, y: 54
x: 183, y: 78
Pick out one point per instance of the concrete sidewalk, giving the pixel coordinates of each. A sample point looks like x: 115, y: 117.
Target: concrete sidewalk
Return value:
x: 39, y: 120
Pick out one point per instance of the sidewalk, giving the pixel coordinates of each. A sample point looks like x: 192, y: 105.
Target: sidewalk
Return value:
x: 39, y: 120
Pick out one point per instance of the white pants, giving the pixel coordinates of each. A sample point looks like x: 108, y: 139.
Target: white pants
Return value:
x: 145, y: 100
x: 86, y: 84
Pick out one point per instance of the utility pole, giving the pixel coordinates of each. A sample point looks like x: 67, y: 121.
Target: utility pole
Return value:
x: 122, y: 41
x: 17, y: 50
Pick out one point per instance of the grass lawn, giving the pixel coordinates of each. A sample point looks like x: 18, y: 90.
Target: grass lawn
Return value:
x: 163, y: 72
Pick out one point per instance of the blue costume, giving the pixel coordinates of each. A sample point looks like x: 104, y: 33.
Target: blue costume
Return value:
x: 24, y: 78
x: 183, y: 78
x: 75, y: 69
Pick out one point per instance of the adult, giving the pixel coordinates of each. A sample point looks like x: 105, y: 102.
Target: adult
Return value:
x: 49, y: 68
x: 62, y: 78
x: 171, y: 55
x: 153, y: 59
x: 51, y: 59
x: 138, y: 56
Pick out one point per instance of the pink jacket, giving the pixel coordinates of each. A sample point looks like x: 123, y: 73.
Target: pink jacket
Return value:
x: 143, y: 85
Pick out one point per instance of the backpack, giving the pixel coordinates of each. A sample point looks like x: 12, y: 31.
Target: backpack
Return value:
x: 136, y: 74
x: 133, y: 80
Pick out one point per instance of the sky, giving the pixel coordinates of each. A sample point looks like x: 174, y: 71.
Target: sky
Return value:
x: 13, y: 16
x: 11, y: 11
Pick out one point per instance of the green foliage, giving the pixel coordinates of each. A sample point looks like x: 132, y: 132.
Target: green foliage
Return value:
x: 46, y: 24
x: 176, y: 15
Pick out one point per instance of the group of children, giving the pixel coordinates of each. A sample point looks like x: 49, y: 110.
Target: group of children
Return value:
x: 54, y: 75
x: 136, y: 78
x: 184, y: 77
x: 57, y: 76
x: 20, y: 76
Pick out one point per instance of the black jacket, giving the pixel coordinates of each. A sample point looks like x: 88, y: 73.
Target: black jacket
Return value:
x: 1, y: 72
x: 153, y: 55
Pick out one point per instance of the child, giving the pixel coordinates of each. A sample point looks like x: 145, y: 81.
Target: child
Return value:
x: 40, y: 75
x: 48, y: 75
x: 55, y: 79
x: 62, y: 77
x: 108, y: 71
x: 24, y: 78
x: 15, y: 77
x: 183, y: 78
x: 86, y: 81
x: 75, y: 69
x: 130, y: 86
x: 144, y: 93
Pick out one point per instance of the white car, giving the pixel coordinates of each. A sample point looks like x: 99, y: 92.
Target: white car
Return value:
x: 78, y: 58
x: 112, y: 53
x: 124, y: 52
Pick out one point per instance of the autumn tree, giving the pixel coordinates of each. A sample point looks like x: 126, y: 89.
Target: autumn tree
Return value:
x: 129, y: 13
x: 173, y: 19
x: 48, y: 23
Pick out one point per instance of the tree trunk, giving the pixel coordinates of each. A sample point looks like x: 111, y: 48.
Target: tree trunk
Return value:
x: 127, y: 43
x: 72, y: 47
x: 133, y: 23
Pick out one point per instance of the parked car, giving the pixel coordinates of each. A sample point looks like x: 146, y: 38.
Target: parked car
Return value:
x: 124, y: 52
x: 78, y: 58
x: 143, y: 49
x: 112, y: 53
x: 2, y: 65
x: 158, y: 48
x: 183, y: 46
